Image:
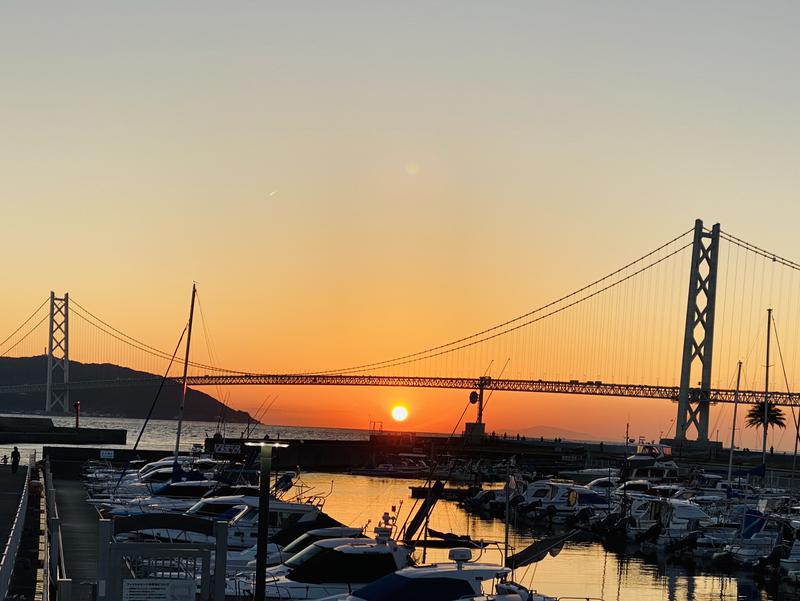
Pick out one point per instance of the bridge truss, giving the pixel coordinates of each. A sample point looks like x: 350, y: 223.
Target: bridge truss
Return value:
x: 647, y: 391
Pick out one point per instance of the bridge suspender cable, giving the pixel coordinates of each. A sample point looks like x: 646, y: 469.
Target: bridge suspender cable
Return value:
x: 152, y: 406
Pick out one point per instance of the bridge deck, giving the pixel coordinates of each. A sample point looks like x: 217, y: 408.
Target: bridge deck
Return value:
x: 79, y: 535
x: 10, y: 494
x: 590, y: 388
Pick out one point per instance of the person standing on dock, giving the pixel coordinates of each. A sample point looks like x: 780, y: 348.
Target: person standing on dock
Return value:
x: 14, y: 460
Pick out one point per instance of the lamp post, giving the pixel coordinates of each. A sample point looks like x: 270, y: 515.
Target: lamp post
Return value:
x: 265, y: 466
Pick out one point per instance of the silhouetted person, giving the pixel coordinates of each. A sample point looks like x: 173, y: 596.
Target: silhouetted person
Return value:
x: 14, y: 460
x: 771, y: 451
x: 5, y: 459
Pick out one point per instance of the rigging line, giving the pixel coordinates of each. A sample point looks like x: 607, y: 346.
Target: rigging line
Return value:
x: 32, y: 315
x: 780, y: 354
x: 132, y: 342
x: 491, y: 392
x: 528, y: 314
x: 786, y: 381
x: 212, y: 355
x: 153, y: 404
x: 263, y: 414
x: 760, y: 251
x: 28, y: 333
x: 522, y: 325
x: 138, y: 343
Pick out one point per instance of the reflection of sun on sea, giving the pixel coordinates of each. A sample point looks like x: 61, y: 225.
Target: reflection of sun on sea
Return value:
x: 399, y: 413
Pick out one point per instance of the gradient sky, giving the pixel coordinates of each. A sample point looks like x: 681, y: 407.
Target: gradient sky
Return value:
x: 354, y: 180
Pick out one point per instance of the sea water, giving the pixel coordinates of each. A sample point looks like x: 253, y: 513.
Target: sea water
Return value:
x: 583, y: 570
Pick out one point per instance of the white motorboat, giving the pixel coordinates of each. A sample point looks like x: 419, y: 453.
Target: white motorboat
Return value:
x: 651, y: 461
x: 173, y: 497
x: 332, y: 566
x: 664, y: 521
x: 567, y: 501
x: 242, y: 514
x: 459, y: 580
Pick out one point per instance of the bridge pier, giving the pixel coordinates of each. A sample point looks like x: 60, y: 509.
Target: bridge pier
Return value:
x: 58, y: 355
x: 698, y: 340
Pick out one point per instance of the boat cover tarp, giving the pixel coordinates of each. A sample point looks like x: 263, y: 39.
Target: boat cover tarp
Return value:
x: 424, y: 509
x: 539, y: 550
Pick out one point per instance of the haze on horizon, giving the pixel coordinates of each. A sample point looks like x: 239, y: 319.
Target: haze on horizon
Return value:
x: 351, y: 181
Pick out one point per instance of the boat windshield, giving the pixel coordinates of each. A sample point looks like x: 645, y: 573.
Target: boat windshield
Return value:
x: 300, y: 543
x: 223, y: 511
x: 317, y: 565
x: 303, y: 556
x: 395, y: 587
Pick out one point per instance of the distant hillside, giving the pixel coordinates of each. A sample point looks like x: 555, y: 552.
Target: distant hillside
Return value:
x: 120, y: 401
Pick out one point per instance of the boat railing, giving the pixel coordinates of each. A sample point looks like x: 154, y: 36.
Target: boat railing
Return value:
x: 15, y: 535
x: 776, y: 481
x: 56, y: 578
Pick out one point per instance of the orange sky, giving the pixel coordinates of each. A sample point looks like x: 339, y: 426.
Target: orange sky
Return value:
x: 352, y: 182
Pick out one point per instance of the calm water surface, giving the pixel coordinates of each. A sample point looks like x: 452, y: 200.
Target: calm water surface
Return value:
x: 580, y: 570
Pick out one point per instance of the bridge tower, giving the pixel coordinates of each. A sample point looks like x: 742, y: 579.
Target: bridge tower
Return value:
x: 698, y: 340
x: 58, y: 355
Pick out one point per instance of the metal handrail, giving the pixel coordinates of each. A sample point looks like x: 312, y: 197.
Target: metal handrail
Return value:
x: 14, y: 537
x: 55, y: 566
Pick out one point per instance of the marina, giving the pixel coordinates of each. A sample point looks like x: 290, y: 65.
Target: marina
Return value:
x: 634, y: 567
x: 399, y: 301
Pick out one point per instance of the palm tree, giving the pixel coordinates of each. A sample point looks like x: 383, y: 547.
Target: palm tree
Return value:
x: 755, y: 417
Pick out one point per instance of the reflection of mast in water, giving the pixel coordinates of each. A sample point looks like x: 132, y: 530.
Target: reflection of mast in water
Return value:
x: 603, y: 580
x: 671, y: 586
x: 622, y: 568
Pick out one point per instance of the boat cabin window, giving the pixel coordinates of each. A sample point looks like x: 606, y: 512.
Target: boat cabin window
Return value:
x: 399, y: 588
x: 158, y: 476
x: 653, y: 450
x: 307, y: 539
x: 330, y: 565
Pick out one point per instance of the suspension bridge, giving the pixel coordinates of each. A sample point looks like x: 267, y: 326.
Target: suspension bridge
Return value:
x: 635, y: 332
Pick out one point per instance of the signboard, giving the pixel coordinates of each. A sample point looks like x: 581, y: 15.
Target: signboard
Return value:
x: 228, y: 448
x: 158, y: 589
x: 106, y: 453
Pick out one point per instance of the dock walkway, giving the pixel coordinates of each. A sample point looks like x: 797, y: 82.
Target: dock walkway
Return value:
x: 10, y: 494
x: 79, y: 536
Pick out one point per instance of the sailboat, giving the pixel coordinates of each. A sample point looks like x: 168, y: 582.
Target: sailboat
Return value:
x: 177, y: 472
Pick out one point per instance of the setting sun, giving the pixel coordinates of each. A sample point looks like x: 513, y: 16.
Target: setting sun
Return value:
x: 399, y: 413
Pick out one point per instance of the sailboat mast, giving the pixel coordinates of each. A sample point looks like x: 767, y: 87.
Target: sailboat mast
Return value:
x: 185, y: 374
x: 766, y: 394
x: 733, y: 428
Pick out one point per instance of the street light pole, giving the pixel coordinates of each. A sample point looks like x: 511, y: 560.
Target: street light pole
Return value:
x: 265, y: 466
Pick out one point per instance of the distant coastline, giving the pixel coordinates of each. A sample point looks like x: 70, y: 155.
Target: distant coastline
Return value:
x: 118, y: 401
